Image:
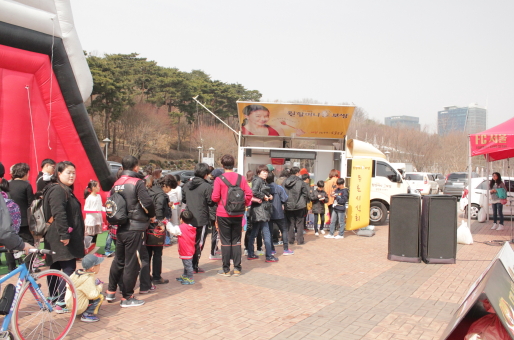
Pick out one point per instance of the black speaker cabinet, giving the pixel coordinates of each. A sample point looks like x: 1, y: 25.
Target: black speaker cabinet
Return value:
x: 439, y: 229
x: 404, y: 228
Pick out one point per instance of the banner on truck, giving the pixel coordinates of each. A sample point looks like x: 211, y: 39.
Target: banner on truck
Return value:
x: 294, y: 120
x: 357, y: 215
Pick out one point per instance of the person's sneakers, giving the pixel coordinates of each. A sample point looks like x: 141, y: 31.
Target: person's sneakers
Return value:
x: 271, y: 259
x: 254, y: 257
x: 61, y: 309
x: 500, y: 227
x: 339, y: 237
x: 148, y: 291
x: 317, y: 234
x: 304, y: 232
x: 198, y: 271
x: 245, y: 253
x: 188, y: 281
x: 273, y: 252
x: 108, y: 253
x: 180, y: 279
x: 110, y: 296
x: 323, y: 231
x: 259, y: 252
x: 275, y: 244
x: 236, y: 272
x: 288, y: 252
x: 161, y: 281
x: 494, y: 226
x: 131, y: 302
x: 222, y: 273
x: 214, y: 257
x: 329, y: 236
x: 87, y: 317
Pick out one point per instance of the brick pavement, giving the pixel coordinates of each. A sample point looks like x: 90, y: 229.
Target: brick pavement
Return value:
x: 330, y: 289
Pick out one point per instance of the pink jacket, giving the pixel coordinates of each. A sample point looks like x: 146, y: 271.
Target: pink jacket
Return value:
x: 186, y: 241
x: 219, y: 192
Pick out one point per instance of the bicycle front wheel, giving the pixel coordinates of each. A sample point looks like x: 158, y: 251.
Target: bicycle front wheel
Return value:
x: 32, y: 319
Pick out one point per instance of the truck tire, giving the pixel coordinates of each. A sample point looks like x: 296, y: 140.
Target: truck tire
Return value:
x: 377, y: 213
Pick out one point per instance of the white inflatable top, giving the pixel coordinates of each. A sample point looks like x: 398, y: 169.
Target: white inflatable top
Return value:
x: 52, y: 17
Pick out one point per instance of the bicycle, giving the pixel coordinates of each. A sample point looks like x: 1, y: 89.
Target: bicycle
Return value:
x: 30, y: 312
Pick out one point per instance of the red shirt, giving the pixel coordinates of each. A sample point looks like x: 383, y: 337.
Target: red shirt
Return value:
x: 186, y: 241
x: 220, y: 190
x: 271, y: 131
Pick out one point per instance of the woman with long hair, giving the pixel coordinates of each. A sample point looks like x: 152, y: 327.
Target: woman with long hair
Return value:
x: 495, y: 184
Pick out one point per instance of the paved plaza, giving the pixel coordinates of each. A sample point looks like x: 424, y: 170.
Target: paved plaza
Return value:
x: 330, y: 289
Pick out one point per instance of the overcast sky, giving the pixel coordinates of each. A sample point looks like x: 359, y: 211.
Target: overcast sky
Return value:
x: 390, y: 57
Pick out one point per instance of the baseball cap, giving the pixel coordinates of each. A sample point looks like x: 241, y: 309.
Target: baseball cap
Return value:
x: 270, y: 167
x: 217, y: 172
x: 2, y: 170
x: 91, y: 260
x: 304, y: 171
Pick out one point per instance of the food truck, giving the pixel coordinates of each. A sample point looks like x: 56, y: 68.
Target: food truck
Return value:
x: 313, y: 137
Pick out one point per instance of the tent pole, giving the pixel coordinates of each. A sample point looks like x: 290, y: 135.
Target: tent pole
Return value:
x: 469, y: 182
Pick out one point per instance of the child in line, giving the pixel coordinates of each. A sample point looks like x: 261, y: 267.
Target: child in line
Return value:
x: 339, y: 210
x: 186, y: 247
x: 111, y: 236
x: 93, y: 208
x: 88, y: 289
x: 318, y: 198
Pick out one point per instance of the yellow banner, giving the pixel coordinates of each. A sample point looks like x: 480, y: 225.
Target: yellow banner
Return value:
x: 294, y: 120
x: 357, y: 215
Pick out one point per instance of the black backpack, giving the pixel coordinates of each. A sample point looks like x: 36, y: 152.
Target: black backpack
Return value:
x: 116, y: 209
x: 235, y: 204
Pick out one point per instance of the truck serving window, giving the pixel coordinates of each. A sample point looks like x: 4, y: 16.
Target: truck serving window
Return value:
x: 385, y: 170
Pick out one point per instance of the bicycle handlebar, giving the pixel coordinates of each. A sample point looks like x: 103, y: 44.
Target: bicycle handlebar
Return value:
x: 34, y: 250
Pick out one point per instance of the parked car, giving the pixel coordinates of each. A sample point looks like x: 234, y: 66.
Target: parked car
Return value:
x: 455, y: 183
x: 185, y: 175
x: 423, y: 182
x: 114, y: 166
x: 480, y: 187
x: 440, y: 179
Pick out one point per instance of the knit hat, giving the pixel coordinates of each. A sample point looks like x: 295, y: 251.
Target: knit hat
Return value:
x: 90, y: 261
x: 303, y: 171
x: 270, y: 167
x: 217, y: 172
x: 2, y: 170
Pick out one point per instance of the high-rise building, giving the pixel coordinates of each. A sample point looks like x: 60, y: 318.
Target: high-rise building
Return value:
x: 469, y: 119
x: 405, y: 121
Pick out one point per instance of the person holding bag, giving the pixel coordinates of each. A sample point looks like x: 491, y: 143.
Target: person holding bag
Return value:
x: 65, y: 235
x: 498, y: 193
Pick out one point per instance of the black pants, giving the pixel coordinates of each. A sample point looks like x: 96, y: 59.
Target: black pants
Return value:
x: 199, y: 243
x: 230, y: 230
x: 282, y: 226
x: 321, y: 219
x: 26, y: 235
x: 58, y: 287
x: 296, y: 220
x: 214, y: 237
x: 155, y: 258
x: 145, y: 279
x: 127, y: 262
x: 247, y: 236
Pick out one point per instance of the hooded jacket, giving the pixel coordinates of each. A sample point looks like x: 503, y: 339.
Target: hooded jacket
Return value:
x: 279, y: 198
x: 160, y: 200
x: 86, y: 289
x: 197, y: 195
x: 297, y: 192
x: 340, y: 199
x: 318, y: 205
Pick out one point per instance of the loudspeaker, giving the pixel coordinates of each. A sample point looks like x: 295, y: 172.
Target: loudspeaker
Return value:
x: 248, y: 152
x: 404, y: 228
x: 439, y: 229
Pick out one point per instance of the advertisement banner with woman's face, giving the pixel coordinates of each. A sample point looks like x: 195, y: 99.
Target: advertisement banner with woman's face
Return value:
x: 294, y: 120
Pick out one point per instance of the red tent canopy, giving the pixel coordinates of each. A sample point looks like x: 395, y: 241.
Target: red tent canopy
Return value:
x: 497, y: 142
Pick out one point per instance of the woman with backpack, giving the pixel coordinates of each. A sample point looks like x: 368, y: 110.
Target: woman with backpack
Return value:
x: 65, y: 234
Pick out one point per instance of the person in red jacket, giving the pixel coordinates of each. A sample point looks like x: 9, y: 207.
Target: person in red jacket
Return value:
x: 186, y: 247
x: 229, y: 226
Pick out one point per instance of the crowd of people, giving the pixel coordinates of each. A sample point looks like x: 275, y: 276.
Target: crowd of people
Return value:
x: 274, y: 210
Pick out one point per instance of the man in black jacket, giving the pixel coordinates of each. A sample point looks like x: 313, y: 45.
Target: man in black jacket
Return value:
x: 197, y: 195
x: 44, y: 176
x: 298, y: 196
x: 130, y: 236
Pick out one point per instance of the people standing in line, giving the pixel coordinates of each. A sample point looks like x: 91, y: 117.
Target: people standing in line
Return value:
x: 175, y: 197
x: 156, y: 174
x: 186, y: 247
x: 306, y: 179
x: 283, y: 175
x: 229, y: 225
x: 495, y: 184
x: 196, y: 194
x: 260, y: 214
x: 330, y: 186
x: 339, y: 210
x: 212, y: 212
x: 45, y: 175
x: 278, y: 217
x: 130, y: 236
x: 249, y: 179
x: 93, y: 208
x: 295, y: 207
x: 20, y: 191
x: 65, y: 235
x: 111, y: 234
x: 318, y: 198
x: 159, y: 194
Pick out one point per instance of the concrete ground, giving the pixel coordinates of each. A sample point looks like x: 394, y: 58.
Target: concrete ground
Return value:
x: 330, y: 289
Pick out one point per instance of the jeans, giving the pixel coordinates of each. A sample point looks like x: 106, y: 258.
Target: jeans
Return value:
x: 230, y: 229
x: 94, y: 305
x: 264, y: 227
x: 282, y: 225
x: 341, y: 216
x: 108, y: 242
x: 322, y: 221
x: 498, y: 210
x: 249, y: 226
x: 188, y: 268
